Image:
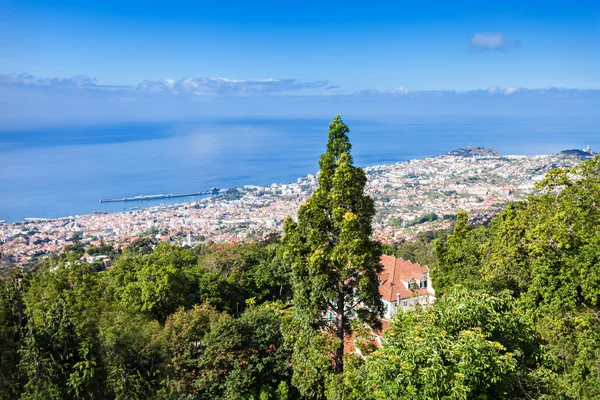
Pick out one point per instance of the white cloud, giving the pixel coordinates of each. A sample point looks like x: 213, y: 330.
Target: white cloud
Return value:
x: 491, y: 41
x: 74, y: 82
x: 225, y: 86
x: 158, y: 90
x: 22, y: 106
x: 189, y: 85
x: 400, y: 90
x: 30, y: 80
x: 505, y: 91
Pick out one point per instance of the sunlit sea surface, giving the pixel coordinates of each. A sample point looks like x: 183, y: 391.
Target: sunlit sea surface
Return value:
x: 61, y: 172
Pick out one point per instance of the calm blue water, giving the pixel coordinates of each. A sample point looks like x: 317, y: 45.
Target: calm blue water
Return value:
x: 61, y: 172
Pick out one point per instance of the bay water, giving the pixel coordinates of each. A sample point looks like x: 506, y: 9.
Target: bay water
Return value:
x: 57, y: 172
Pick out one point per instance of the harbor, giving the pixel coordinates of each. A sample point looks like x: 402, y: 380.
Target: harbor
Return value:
x: 212, y: 191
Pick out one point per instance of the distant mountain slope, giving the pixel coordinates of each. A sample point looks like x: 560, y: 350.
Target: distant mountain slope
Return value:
x: 583, y: 154
x: 472, y: 151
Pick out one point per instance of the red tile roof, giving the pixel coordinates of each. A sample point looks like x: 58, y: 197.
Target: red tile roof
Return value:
x: 395, y: 276
x: 349, y: 344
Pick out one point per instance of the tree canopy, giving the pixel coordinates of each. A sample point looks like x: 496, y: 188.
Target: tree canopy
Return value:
x: 469, y: 345
x: 334, y: 260
x: 546, y: 250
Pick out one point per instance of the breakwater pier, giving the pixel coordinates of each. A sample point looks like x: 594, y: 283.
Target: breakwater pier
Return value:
x: 213, y: 191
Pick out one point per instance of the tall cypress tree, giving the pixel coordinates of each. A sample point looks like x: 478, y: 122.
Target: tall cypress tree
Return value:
x: 334, y: 261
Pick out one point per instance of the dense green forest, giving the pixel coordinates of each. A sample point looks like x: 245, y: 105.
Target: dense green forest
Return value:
x: 517, y: 314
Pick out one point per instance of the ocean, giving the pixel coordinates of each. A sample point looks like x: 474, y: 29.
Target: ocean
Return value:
x: 58, y: 172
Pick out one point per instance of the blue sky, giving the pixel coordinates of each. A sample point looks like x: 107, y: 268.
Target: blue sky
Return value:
x: 355, y: 45
x: 313, y: 48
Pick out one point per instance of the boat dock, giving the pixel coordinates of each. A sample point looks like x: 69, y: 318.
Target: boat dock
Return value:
x: 212, y: 191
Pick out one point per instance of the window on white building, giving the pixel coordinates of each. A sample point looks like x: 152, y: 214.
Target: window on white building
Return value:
x: 423, y: 283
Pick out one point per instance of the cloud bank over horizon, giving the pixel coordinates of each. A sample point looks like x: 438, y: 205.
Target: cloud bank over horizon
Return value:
x: 188, y: 85
x: 30, y: 102
x: 208, y: 86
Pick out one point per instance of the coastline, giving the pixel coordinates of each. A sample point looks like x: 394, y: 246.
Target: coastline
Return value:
x: 404, y: 192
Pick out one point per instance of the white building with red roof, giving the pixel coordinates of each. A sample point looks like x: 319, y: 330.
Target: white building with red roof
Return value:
x: 403, y: 285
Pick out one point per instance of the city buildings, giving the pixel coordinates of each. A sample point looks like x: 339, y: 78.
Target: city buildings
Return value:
x: 410, y: 197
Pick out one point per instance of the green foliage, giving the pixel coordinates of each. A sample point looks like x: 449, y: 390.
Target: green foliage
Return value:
x: 230, y: 275
x: 547, y: 251
x: 102, y: 249
x: 76, y: 247
x: 60, y: 352
x: 134, y: 355
x: 169, y: 277
x: 142, y: 245
x: 468, y: 345
x: 184, y: 331
x: 269, y: 278
x: 12, y: 323
x: 334, y: 261
x: 91, y: 335
x: 154, y: 283
x: 230, y: 194
x: 214, y: 355
x: 224, y: 293
x: 457, y: 259
x: 396, y: 222
x: 423, y: 219
x: 421, y: 250
x: 311, y: 358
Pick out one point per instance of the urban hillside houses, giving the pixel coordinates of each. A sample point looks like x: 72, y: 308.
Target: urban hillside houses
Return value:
x: 410, y: 197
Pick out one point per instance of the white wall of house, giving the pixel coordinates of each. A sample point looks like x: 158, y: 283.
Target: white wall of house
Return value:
x: 389, y: 309
x: 411, y: 303
x: 392, y: 308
